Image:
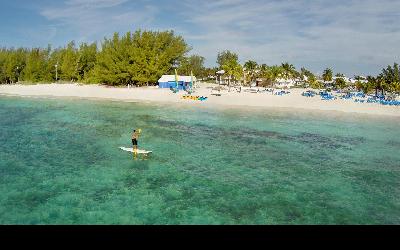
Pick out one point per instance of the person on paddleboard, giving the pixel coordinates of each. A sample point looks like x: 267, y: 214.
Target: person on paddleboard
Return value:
x: 135, y: 137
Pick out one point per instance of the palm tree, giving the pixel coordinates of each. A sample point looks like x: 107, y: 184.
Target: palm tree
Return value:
x: 263, y: 67
x: 372, y: 84
x: 303, y: 73
x: 340, y: 83
x: 289, y: 71
x: 391, y: 76
x: 312, y: 80
x: 251, y: 65
x: 250, y: 69
x: 396, y: 87
x: 381, y: 84
x: 234, y: 70
x: 377, y: 83
x: 327, y: 75
x: 359, y: 78
x: 270, y: 74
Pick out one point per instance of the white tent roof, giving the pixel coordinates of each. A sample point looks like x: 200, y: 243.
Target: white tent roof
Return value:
x: 171, y: 78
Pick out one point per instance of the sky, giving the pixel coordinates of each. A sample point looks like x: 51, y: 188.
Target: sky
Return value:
x: 354, y: 37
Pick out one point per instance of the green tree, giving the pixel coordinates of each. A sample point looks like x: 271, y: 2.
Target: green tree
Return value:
x: 69, y: 63
x: 395, y: 87
x: 226, y: 57
x: 86, y: 60
x: 263, y: 67
x: 304, y: 72
x: 359, y: 78
x: 365, y: 87
x: 288, y: 71
x: 210, y: 72
x: 251, y: 68
x: 270, y: 74
x: 12, y: 63
x: 251, y: 65
x: 314, y: 83
x: 340, y: 83
x: 161, y: 51
x: 391, y: 74
x: 2, y: 62
x: 15, y: 65
x: 327, y: 75
x: 391, y: 77
x: 139, y: 58
x: 233, y: 69
x: 377, y: 83
x: 311, y: 78
x: 37, y: 65
x: 55, y: 59
x: 112, y: 63
x: 195, y: 64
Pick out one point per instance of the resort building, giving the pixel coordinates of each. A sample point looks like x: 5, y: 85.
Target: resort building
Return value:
x: 362, y: 80
x: 169, y: 81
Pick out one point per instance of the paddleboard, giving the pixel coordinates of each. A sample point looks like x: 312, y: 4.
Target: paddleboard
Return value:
x: 139, y: 151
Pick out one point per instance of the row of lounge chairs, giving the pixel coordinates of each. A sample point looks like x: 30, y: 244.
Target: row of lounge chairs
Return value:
x: 326, y: 96
x: 282, y: 92
x: 349, y: 96
x: 380, y: 99
x: 309, y: 93
x: 358, y: 97
x: 384, y: 102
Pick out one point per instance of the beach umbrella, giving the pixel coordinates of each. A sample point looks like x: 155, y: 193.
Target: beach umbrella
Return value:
x: 176, y: 79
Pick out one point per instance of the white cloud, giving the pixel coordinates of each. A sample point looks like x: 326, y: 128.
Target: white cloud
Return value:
x: 90, y: 20
x: 95, y: 3
x: 352, y: 36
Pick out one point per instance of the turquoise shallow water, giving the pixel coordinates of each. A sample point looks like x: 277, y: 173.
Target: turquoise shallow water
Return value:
x: 60, y: 164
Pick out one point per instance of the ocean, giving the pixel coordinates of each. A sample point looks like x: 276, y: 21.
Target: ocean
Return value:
x: 60, y: 163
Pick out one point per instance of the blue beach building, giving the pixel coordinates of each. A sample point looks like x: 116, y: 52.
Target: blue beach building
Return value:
x: 168, y: 81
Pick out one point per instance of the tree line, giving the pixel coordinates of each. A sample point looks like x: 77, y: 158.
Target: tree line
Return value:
x: 134, y: 58
x: 387, y: 81
x: 142, y: 57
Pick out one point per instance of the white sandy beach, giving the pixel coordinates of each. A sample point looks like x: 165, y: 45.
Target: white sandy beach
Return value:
x: 232, y: 99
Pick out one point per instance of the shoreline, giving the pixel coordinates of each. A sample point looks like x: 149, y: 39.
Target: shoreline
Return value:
x: 228, y: 100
